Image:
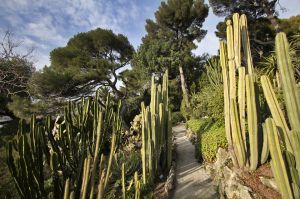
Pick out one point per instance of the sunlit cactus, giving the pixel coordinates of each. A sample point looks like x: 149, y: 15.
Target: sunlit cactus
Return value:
x: 156, y: 131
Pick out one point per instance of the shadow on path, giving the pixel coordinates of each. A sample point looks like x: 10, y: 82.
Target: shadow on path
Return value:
x: 192, y: 181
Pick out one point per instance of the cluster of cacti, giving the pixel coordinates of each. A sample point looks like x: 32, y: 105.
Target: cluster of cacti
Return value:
x: 78, y: 150
x: 284, y: 140
x: 241, y: 98
x: 251, y: 146
x: 156, y: 131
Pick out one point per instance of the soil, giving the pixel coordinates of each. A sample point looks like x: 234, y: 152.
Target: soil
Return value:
x: 252, y: 180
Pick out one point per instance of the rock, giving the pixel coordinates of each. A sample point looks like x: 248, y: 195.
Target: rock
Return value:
x: 222, y: 157
x: 269, y: 182
x: 170, y: 182
x: 245, y: 193
x: 230, y: 185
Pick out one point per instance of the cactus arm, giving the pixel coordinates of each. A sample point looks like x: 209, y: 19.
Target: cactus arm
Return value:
x: 231, y: 63
x: 226, y: 92
x: 237, y: 39
x: 238, y: 143
x: 252, y: 121
x: 276, y: 112
x: 295, y: 140
x: 111, y: 154
x: 278, y: 165
x: 246, y: 44
x: 286, y: 71
x: 96, y: 155
x: 242, y: 102
x: 67, y: 189
x: 144, y: 147
x: 265, y: 149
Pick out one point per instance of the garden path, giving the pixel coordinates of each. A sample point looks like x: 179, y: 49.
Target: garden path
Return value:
x: 192, y: 180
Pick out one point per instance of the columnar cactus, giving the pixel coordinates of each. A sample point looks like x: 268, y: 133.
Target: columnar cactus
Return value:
x: 156, y: 131
x: 252, y: 121
x: 284, y: 140
x: 278, y: 166
x: 235, y: 103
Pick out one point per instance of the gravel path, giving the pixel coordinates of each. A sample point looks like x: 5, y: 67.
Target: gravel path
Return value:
x: 193, y: 182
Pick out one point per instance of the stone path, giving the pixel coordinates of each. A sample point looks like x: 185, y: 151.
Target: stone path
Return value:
x: 193, y: 181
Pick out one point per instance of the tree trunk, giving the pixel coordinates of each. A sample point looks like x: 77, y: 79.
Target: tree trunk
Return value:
x: 184, y: 88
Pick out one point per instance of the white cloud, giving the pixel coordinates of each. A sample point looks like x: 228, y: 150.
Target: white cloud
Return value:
x: 44, y: 29
x: 46, y: 24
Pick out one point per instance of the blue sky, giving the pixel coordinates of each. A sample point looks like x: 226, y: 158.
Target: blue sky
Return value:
x: 47, y: 24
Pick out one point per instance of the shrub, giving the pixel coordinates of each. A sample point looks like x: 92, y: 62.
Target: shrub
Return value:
x: 183, y: 110
x: 208, y: 102
x: 211, y: 140
x: 177, y: 117
x: 132, y: 138
x: 198, y: 125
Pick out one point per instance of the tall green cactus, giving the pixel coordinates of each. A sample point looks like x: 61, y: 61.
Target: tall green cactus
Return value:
x: 242, y: 102
x: 286, y: 72
x: 237, y: 139
x: 235, y: 121
x: 277, y: 163
x: 285, y: 158
x: 156, y: 131
x: 252, y: 121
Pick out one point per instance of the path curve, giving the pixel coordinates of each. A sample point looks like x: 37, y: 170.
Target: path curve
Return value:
x: 192, y: 180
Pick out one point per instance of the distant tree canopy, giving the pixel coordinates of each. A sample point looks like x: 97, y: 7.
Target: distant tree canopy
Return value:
x: 263, y: 22
x: 290, y: 26
x: 89, y: 60
x: 168, y: 45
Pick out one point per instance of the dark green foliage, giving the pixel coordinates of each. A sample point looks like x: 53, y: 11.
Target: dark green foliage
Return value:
x: 210, y: 136
x: 214, y: 71
x: 210, y: 140
x: 162, y: 48
x: 199, y: 125
x: 177, y: 117
x: 89, y: 60
x: 290, y: 26
x: 248, y: 7
x: 208, y: 103
x: 23, y: 108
